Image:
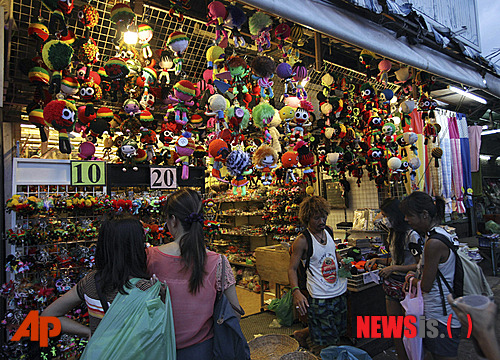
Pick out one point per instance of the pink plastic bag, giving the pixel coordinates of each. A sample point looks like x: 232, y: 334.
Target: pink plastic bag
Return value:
x: 414, y: 305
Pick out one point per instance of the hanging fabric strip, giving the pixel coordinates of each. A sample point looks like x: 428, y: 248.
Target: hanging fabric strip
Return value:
x: 475, y: 145
x: 466, y: 162
x: 417, y: 126
x: 444, y: 144
x: 457, y: 172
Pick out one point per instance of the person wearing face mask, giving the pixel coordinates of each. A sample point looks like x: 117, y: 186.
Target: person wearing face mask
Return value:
x: 401, y: 235
x: 326, y: 306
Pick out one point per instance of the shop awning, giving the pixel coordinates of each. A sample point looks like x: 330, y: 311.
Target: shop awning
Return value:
x: 361, y: 32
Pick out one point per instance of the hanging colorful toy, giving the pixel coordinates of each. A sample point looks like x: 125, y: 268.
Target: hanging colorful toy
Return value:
x: 260, y: 24
x: 145, y: 35
x: 116, y: 70
x: 295, y: 40
x: 281, y: 33
x: 262, y: 115
x: 216, y: 14
x: 239, y: 165
x: 265, y: 159
x: 263, y: 69
x: 234, y: 20
x: 61, y: 115
x: 57, y: 56
x: 89, y: 17
x: 285, y: 73
x: 122, y: 16
x: 184, y: 91
x: 178, y: 43
x: 185, y: 146
x: 300, y: 78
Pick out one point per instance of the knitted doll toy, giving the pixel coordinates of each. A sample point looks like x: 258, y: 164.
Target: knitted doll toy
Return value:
x: 366, y: 58
x: 166, y: 64
x: 301, y: 120
x: 184, y: 91
x: 127, y: 152
x: 86, y: 151
x: 296, y: 39
x: 384, y: 67
x: 260, y: 24
x: 300, y: 76
x: 306, y: 160
x: 35, y: 117
x: 116, y: 70
x: 58, y: 9
x: 122, y: 16
x: 239, y: 165
x: 57, y: 57
x: 89, y: 17
x: 287, y: 114
x: 61, y: 115
x: 286, y: 74
x: 91, y: 93
x: 88, y: 54
x: 69, y: 88
x: 185, y: 146
x: 150, y: 141
x: 218, y: 150
x: 262, y: 116
x: 281, y: 33
x: 239, y: 70
x: 145, y: 35
x: 289, y: 161
x: 216, y: 14
x: 234, y: 20
x: 177, y: 42
x: 101, y: 124
x: 238, y: 120
x: 263, y: 69
x: 217, y: 105
x: 265, y: 159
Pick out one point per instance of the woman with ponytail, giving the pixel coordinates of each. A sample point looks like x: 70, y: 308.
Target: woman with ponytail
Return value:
x: 192, y: 274
x: 425, y: 215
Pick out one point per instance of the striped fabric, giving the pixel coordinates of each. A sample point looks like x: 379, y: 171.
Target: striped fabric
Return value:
x: 457, y: 170
x: 466, y: 162
x: 444, y: 143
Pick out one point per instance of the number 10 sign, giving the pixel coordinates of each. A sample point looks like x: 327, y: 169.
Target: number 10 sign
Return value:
x: 163, y: 178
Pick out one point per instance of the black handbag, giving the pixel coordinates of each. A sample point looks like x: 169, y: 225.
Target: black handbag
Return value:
x: 229, y: 342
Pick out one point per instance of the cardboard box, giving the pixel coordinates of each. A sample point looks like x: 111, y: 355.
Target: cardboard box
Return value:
x: 272, y: 263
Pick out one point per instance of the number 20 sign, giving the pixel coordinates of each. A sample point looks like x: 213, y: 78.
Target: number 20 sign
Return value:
x: 163, y: 178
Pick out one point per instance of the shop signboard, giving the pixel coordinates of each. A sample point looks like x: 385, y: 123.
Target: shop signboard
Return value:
x: 163, y: 178
x: 335, y: 195
x: 88, y: 173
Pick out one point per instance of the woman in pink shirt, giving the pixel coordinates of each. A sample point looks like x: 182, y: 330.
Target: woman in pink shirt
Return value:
x: 192, y: 274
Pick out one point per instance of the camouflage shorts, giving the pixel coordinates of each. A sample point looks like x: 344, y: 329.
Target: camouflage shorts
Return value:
x: 327, y: 319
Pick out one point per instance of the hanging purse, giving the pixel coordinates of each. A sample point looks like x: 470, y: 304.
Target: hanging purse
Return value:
x: 229, y: 342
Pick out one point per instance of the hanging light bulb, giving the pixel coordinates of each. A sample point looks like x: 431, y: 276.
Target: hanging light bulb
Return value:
x: 131, y: 36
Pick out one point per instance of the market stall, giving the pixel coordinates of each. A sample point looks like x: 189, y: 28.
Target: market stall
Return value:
x: 118, y: 104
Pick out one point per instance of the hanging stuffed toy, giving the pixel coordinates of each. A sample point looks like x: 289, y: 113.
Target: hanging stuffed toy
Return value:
x: 89, y: 17
x: 150, y: 142
x: 262, y: 115
x: 295, y: 40
x: 116, y: 70
x: 127, y: 152
x: 91, y: 93
x: 177, y: 42
x: 235, y: 19
x: 384, y: 67
x: 394, y: 163
x: 217, y: 105
x: 167, y: 65
x: 287, y: 114
x: 218, y: 150
x: 239, y: 165
x: 122, y: 16
x: 69, y: 88
x: 414, y: 165
x: 265, y: 159
x: 300, y: 78
x: 57, y: 56
x: 185, y: 146
x: 431, y: 131
x: 145, y: 35
x: 300, y: 121
x: 263, y: 69
x: 239, y: 70
x: 285, y: 73
x: 184, y: 91
x: 306, y: 160
x: 35, y: 117
x: 281, y: 33
x: 260, y: 24
x: 404, y: 78
x: 61, y: 115
x: 147, y: 120
x: 238, y: 120
x: 88, y: 54
x: 100, y: 125
x: 216, y: 14
x: 437, y: 153
x: 289, y: 161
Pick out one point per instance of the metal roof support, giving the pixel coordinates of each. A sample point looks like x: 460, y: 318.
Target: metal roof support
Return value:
x: 361, y: 32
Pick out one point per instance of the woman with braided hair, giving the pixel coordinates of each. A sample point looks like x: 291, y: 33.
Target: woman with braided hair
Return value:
x: 192, y: 274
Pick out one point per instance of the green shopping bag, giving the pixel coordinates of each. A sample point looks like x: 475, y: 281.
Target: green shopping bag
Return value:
x: 136, y: 326
x: 283, y: 308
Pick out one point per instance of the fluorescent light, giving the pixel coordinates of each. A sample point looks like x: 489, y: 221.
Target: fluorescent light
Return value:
x: 467, y: 94
x: 485, y: 157
x: 131, y: 36
x: 489, y: 132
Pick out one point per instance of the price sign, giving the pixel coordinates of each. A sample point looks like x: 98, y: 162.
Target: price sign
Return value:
x: 88, y: 173
x: 163, y: 178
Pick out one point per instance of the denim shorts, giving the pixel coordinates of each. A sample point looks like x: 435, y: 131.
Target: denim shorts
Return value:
x: 446, y: 346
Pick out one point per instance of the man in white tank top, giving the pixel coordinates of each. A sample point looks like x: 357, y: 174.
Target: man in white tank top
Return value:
x: 326, y: 306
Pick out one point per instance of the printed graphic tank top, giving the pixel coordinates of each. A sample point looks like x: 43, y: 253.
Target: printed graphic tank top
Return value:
x: 322, y: 279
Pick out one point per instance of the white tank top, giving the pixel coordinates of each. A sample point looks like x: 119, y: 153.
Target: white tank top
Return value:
x: 322, y: 279
x: 433, y: 308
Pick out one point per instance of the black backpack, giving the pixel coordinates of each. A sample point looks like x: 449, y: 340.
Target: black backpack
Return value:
x: 301, y: 270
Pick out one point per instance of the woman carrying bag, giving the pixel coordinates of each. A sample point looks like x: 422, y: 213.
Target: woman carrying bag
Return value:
x: 127, y: 318
x: 193, y: 275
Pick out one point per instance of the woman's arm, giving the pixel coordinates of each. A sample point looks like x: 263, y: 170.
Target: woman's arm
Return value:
x: 232, y: 297
x: 61, y: 307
